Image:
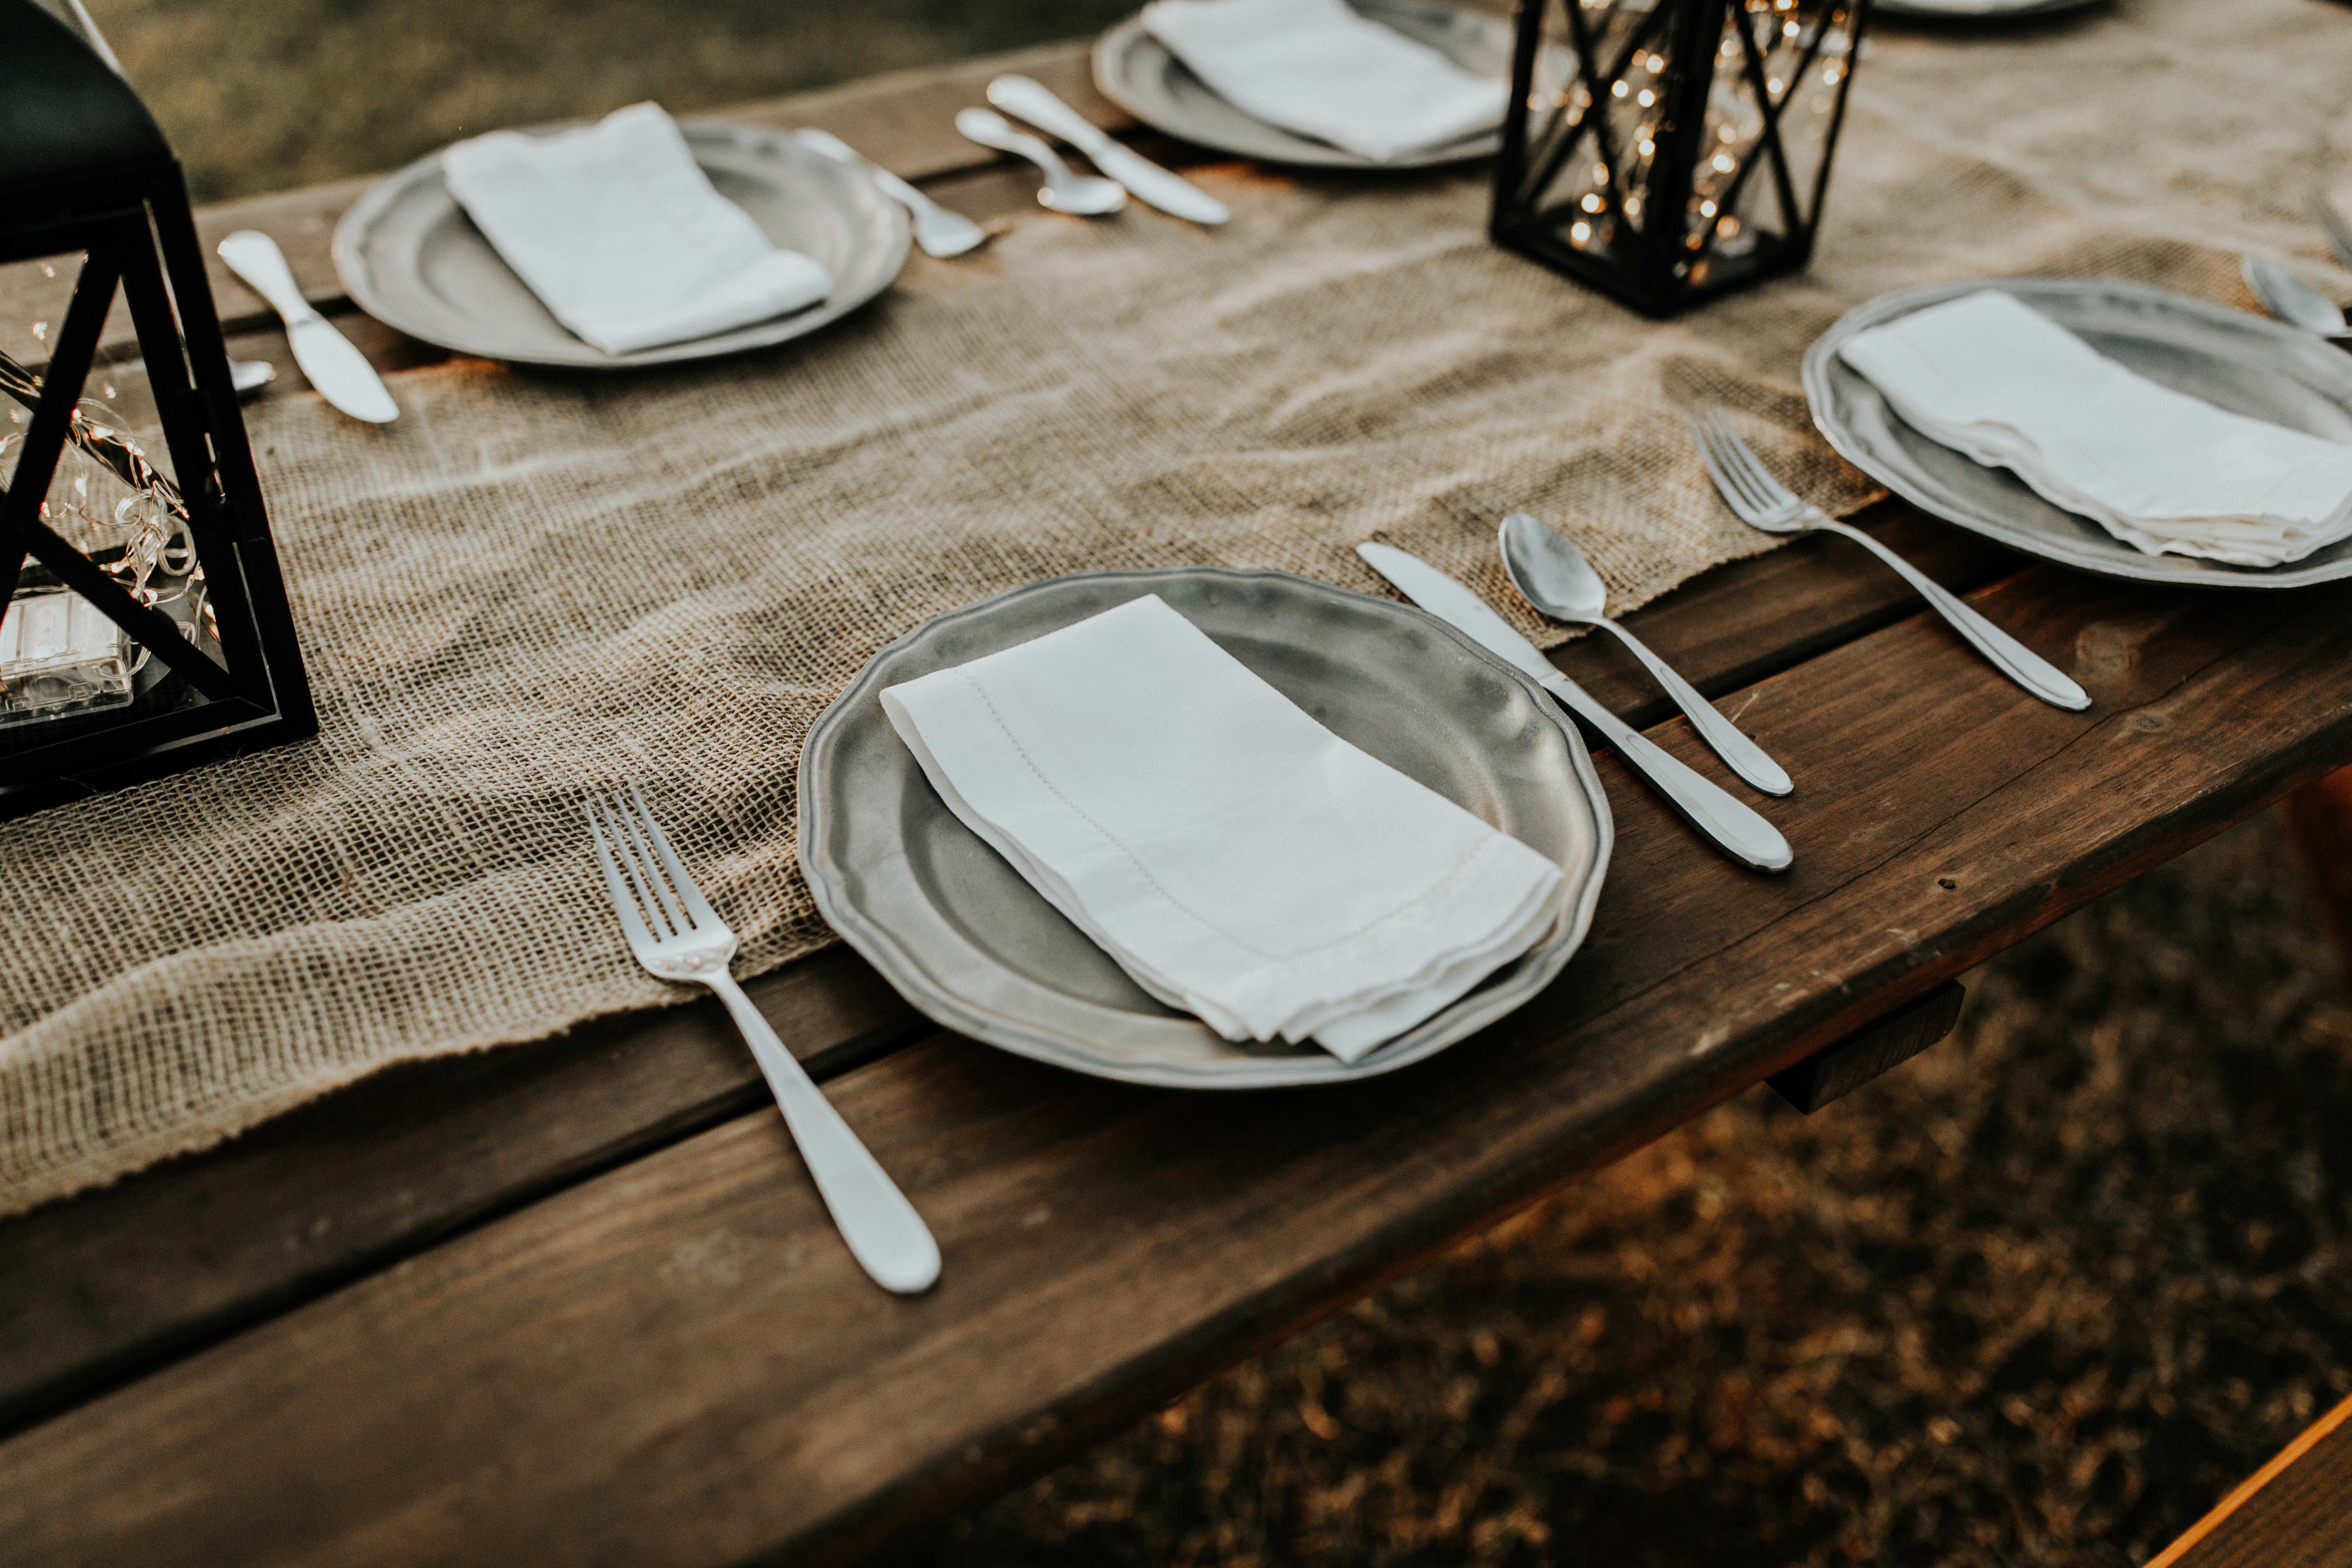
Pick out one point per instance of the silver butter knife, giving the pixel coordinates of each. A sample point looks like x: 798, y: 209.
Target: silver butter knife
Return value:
x: 340, y: 372
x: 1736, y: 830
x: 1034, y: 102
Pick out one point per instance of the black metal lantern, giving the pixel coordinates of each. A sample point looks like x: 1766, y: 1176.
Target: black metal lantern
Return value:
x: 146, y: 625
x: 1687, y: 154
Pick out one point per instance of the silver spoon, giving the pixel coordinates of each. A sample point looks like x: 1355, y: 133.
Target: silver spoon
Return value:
x: 1064, y: 191
x: 2292, y: 301
x: 1554, y: 576
x: 2335, y: 224
x: 940, y: 232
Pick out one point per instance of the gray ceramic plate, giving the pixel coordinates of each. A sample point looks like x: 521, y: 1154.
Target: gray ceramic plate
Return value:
x: 409, y: 257
x: 1134, y: 71
x: 952, y: 925
x: 2232, y: 359
x: 1995, y: 11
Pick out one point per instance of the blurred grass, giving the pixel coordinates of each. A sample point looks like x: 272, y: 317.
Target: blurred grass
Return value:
x: 2043, y: 1295
x: 269, y: 94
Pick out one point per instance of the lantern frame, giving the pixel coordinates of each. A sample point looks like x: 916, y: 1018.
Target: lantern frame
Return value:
x: 1664, y: 272
x: 130, y: 218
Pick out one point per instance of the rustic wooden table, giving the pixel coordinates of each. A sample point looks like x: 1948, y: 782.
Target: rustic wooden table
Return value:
x: 2294, y: 1513
x: 577, y: 1301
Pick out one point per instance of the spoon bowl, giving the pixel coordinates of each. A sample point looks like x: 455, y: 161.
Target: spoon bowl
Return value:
x: 1065, y: 191
x: 1551, y: 573
x: 1553, y: 576
x: 940, y: 231
x: 2292, y: 301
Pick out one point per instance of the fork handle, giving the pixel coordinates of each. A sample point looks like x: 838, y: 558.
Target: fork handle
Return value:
x: 2011, y: 657
x: 1744, y: 756
x: 885, y: 1234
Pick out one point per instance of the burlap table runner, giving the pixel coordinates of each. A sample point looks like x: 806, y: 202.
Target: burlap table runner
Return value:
x: 533, y: 584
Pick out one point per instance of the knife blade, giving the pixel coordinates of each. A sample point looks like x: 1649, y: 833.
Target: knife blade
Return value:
x: 1738, y: 830
x: 1033, y: 100
x: 340, y: 372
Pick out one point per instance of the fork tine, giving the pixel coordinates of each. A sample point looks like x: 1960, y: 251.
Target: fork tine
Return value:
x: 1759, y: 477
x: 1722, y: 445
x: 1705, y: 435
x: 640, y: 855
x: 1719, y: 445
x: 633, y: 923
x: 691, y: 895
x: 634, y: 865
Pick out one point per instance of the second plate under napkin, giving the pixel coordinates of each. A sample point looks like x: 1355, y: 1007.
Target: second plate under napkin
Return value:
x: 955, y: 928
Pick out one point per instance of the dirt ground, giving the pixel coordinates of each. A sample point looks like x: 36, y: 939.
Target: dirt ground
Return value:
x: 2043, y: 1295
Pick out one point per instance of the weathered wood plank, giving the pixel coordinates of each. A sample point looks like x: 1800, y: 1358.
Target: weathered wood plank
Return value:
x: 1831, y: 1073
x: 148, y: 1272
x: 175, y: 1257
x: 676, y: 1362
x: 2321, y: 816
x: 119, y: 1279
x: 2294, y: 1513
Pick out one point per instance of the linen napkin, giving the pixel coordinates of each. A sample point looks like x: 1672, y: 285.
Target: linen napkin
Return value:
x: 1988, y: 375
x: 619, y: 233
x: 1318, y: 68
x: 1236, y: 858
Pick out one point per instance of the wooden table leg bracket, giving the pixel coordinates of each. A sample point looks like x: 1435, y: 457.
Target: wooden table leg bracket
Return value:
x: 1835, y: 1071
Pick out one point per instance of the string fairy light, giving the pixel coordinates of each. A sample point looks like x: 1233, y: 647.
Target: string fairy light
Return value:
x: 141, y: 541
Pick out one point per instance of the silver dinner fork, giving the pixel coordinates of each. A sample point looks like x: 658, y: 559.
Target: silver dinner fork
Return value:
x: 677, y: 936
x: 1764, y: 502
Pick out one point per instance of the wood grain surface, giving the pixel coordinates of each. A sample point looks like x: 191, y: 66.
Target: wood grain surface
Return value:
x: 676, y: 1360
x: 577, y: 1303
x: 176, y: 1257
x: 2294, y: 1513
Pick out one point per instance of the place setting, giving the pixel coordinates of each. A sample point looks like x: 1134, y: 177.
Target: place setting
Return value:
x: 640, y: 240
x: 636, y: 241
x: 2110, y: 427
x: 1208, y: 827
x: 1394, y: 84
x: 1979, y: 12
x: 1519, y: 619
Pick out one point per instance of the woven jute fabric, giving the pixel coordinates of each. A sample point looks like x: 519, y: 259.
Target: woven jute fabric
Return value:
x: 532, y: 584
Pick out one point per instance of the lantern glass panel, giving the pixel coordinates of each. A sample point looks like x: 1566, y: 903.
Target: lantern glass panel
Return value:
x: 144, y: 623
x: 1687, y: 151
x: 61, y: 657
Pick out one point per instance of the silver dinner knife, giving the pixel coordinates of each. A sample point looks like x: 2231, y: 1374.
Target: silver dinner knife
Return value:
x: 1034, y: 102
x: 340, y: 372
x: 1736, y: 830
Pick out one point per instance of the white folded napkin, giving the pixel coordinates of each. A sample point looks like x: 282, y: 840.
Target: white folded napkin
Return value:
x: 1236, y: 858
x: 619, y: 233
x: 1989, y: 375
x: 1318, y: 68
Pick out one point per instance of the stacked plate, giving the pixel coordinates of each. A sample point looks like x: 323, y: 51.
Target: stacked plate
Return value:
x: 408, y: 255
x: 960, y: 933
x: 2246, y: 364
x: 1136, y: 72
x: 1975, y: 10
